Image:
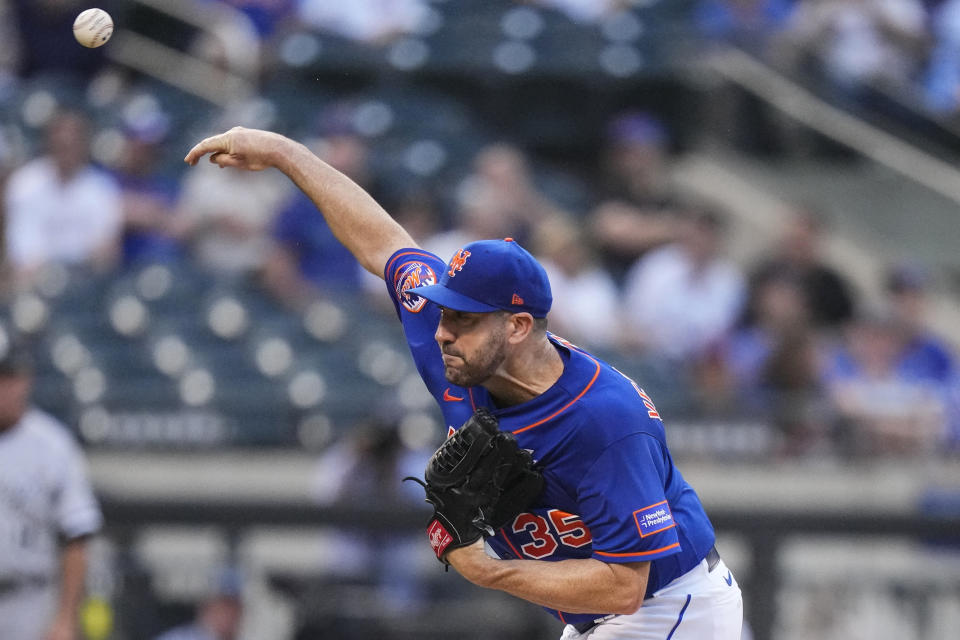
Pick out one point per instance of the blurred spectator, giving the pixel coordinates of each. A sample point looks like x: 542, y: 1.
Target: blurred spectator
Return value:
x: 681, y: 299
x: 369, y: 21
x: 780, y: 309
x: 231, y: 43
x: 45, y: 47
x: 773, y: 366
x: 798, y: 253
x: 586, y: 308
x: 306, y: 260
x: 47, y: 511
x: 508, y: 173
x: 218, y: 616
x: 853, y: 43
x: 634, y: 163
x: 941, y: 82
x: 476, y: 215
x: 419, y: 211
x: 148, y: 197
x: 637, y: 208
x: 880, y: 409
x: 60, y: 208
x: 498, y: 199
x: 367, y: 466
x: 226, y: 217
x: 925, y: 356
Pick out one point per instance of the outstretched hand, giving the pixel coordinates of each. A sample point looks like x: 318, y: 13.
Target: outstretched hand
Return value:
x: 249, y: 149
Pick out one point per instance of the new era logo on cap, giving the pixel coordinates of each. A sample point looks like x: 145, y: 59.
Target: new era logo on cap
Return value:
x: 489, y: 275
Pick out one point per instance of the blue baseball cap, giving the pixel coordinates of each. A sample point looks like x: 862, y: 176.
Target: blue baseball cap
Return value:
x: 490, y: 275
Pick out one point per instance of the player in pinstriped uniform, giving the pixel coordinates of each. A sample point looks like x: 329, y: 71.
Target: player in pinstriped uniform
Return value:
x: 618, y: 545
x: 47, y: 512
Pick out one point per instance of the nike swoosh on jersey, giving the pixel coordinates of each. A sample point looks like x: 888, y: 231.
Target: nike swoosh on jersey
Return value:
x: 449, y: 397
x: 728, y: 579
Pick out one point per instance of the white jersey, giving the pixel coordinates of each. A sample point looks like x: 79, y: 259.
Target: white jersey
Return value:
x: 53, y: 221
x: 45, y: 495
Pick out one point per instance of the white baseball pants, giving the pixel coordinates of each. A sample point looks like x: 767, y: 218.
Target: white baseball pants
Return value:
x: 699, y: 605
x: 27, y: 613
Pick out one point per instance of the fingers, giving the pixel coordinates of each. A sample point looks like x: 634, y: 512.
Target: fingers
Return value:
x: 223, y: 159
x: 239, y: 148
x: 214, y: 144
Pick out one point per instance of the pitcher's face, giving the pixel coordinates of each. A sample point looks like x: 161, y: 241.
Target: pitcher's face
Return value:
x: 474, y: 345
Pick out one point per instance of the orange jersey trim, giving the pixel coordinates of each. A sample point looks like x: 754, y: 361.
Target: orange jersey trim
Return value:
x: 596, y: 374
x: 412, y: 252
x: 510, y: 544
x: 637, y: 553
x: 473, y: 404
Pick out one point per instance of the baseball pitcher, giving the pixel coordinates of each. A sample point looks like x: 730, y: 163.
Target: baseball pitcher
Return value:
x: 556, y: 460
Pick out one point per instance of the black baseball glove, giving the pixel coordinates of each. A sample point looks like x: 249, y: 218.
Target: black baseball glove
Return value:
x: 477, y: 481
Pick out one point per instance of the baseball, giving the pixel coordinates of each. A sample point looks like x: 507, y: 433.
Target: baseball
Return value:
x: 93, y: 27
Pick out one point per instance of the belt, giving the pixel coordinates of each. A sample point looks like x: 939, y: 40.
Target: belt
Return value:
x: 712, y: 558
x: 11, y: 585
x: 583, y: 627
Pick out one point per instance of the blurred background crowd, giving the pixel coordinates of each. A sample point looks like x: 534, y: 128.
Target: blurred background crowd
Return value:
x: 782, y: 292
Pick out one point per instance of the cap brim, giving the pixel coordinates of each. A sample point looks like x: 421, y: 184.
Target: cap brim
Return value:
x: 439, y: 294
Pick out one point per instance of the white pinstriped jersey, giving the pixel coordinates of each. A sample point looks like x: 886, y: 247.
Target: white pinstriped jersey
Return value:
x: 45, y: 494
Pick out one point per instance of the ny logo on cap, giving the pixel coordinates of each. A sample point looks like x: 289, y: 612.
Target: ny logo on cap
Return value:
x: 456, y: 264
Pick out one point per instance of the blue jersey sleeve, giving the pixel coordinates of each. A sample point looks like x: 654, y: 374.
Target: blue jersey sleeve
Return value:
x: 622, y: 497
x: 406, y: 269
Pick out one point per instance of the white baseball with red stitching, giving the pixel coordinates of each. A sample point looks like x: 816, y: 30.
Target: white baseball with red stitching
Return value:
x: 93, y: 28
